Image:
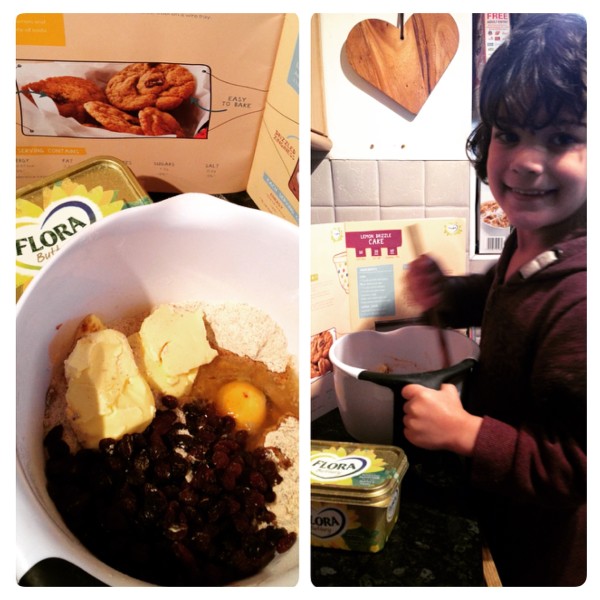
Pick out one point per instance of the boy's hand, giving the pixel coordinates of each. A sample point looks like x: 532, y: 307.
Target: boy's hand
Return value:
x: 436, y: 420
x: 426, y: 282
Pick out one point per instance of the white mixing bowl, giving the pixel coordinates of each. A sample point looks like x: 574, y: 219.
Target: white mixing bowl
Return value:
x: 370, y: 368
x: 190, y: 247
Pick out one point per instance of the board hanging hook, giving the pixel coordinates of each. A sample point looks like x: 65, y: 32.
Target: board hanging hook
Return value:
x: 401, y: 25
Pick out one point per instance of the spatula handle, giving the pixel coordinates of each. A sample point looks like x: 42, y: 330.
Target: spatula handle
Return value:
x: 416, y: 238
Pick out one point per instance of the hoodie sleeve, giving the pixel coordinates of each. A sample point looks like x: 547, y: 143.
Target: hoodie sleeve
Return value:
x: 464, y: 299
x: 541, y: 455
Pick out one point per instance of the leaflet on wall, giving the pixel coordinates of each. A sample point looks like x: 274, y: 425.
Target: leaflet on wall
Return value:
x: 190, y: 102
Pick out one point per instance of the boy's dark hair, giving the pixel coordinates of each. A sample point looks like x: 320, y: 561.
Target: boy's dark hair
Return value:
x: 539, y: 71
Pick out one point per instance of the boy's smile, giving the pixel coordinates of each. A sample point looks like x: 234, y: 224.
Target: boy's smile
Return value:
x: 539, y: 176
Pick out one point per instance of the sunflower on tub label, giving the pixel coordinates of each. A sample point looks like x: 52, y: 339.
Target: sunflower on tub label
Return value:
x: 50, y: 212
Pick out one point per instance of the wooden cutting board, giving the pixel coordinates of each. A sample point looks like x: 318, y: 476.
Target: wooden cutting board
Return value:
x: 406, y: 70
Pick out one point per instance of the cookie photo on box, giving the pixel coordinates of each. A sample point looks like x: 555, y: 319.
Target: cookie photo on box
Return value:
x: 89, y: 99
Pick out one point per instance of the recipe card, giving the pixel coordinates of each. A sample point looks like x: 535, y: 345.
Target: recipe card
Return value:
x: 378, y: 257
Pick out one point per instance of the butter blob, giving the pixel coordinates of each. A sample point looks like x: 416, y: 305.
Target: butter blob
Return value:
x: 244, y: 402
x: 106, y: 394
x: 170, y: 347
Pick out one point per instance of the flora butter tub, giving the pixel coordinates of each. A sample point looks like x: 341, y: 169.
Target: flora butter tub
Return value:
x: 355, y: 494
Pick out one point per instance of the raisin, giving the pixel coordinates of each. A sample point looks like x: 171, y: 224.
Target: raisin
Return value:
x: 55, y: 445
x: 229, y: 424
x: 162, y: 469
x: 201, y: 541
x: 179, y: 467
x: 142, y: 461
x: 227, y: 481
x: 157, y: 449
x: 169, y: 402
x: 179, y: 440
x: 258, y: 481
x: 286, y: 542
x: 107, y: 446
x: 125, y: 446
x: 188, y: 496
x: 183, y: 503
x: 220, y: 459
x: 162, y: 421
x: 127, y: 501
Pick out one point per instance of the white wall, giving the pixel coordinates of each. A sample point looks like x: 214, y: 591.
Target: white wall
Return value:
x: 363, y: 123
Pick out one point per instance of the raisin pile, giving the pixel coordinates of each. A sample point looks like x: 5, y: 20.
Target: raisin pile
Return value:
x: 183, y: 503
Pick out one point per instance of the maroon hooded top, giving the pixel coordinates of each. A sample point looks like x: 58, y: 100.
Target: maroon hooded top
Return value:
x: 528, y: 469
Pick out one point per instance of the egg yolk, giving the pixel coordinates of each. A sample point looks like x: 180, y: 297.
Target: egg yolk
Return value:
x: 244, y: 402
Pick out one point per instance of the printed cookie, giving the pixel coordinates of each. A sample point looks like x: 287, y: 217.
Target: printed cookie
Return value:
x: 113, y: 119
x: 140, y: 85
x: 69, y: 94
x: 157, y: 122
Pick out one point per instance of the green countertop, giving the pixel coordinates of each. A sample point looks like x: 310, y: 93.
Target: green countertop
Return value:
x: 436, y: 541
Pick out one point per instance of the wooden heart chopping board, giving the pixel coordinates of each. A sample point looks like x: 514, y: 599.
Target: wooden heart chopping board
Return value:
x: 408, y: 69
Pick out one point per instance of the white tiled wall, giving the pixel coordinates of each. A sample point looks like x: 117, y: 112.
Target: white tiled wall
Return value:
x: 358, y: 190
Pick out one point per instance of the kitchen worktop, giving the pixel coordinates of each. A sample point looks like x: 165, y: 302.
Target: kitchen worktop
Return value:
x: 436, y: 541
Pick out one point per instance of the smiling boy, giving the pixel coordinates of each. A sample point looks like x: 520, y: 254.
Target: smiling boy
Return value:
x: 523, y: 427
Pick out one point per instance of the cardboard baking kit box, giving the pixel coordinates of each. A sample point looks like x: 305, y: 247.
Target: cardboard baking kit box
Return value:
x: 189, y: 102
x: 357, y: 280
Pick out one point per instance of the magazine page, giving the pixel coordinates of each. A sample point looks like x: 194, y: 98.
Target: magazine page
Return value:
x: 273, y: 183
x: 156, y: 91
